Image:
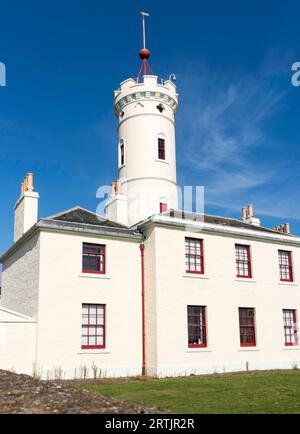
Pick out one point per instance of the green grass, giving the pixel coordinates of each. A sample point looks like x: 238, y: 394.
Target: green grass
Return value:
x: 256, y: 392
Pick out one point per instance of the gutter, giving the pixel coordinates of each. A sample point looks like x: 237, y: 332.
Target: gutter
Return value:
x: 218, y: 229
x: 142, y: 249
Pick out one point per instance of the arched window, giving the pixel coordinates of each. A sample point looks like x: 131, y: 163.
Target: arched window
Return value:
x: 122, y: 152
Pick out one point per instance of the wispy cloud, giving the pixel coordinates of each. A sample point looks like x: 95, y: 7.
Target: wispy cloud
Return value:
x: 225, y: 130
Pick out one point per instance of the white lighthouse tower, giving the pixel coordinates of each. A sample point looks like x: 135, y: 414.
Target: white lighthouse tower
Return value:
x: 147, y: 183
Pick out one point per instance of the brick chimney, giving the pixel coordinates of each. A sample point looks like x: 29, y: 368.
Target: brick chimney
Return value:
x: 26, y: 208
x: 248, y: 216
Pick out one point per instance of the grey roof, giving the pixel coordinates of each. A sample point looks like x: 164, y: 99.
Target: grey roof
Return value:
x: 81, y: 215
x: 216, y: 220
x: 82, y: 218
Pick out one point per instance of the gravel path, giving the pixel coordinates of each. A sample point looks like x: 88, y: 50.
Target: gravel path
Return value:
x: 23, y: 394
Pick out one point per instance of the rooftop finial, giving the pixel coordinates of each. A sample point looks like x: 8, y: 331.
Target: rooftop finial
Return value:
x: 144, y: 53
x: 144, y: 14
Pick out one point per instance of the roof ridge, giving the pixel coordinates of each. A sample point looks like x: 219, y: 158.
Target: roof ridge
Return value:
x: 53, y: 216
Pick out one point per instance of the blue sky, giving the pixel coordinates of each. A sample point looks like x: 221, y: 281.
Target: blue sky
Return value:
x: 238, y: 130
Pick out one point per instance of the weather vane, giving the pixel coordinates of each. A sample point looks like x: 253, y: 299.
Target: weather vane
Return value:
x: 144, y: 53
x: 144, y: 14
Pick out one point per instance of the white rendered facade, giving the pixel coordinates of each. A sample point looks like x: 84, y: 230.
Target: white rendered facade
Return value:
x: 53, y: 335
x: 170, y: 289
x: 62, y: 290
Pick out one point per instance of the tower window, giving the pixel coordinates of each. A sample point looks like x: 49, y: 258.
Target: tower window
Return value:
x: 197, y: 333
x: 93, y: 258
x: 163, y: 207
x: 161, y: 149
x: 122, y: 153
x: 247, y: 327
x: 285, y: 266
x: 243, y: 261
x: 194, y: 256
x: 290, y: 327
x: 93, y: 326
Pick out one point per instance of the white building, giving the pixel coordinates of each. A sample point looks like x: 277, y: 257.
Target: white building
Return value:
x: 147, y: 289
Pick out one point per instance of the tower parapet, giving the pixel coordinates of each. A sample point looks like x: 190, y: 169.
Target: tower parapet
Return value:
x: 150, y: 90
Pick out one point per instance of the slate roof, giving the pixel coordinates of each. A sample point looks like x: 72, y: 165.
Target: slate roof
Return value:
x: 222, y: 221
x: 81, y: 219
x: 81, y: 215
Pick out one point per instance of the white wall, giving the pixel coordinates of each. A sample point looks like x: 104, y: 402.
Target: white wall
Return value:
x: 20, y: 279
x: 17, y: 343
x: 150, y: 303
x: 223, y: 294
x: 26, y: 213
x: 63, y: 289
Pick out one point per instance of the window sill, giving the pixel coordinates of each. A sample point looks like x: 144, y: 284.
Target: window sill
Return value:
x: 288, y: 283
x: 104, y: 351
x: 95, y: 276
x: 245, y: 280
x: 161, y: 161
x: 195, y: 276
x: 292, y: 347
x: 198, y: 350
x: 242, y: 349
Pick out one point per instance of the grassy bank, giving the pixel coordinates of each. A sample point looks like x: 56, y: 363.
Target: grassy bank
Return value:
x: 256, y: 392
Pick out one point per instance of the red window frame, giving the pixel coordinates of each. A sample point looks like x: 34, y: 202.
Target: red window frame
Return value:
x: 93, y: 323
x: 91, y: 256
x: 161, y: 149
x: 290, y: 327
x: 285, y: 268
x: 163, y: 207
x: 197, y: 326
x: 247, y: 327
x: 192, y: 257
x: 243, y: 263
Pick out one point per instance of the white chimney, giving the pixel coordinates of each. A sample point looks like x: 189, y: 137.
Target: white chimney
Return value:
x: 26, y: 208
x: 116, y: 208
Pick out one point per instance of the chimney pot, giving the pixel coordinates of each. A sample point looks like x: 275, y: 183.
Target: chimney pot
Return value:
x: 116, y: 188
x: 26, y: 208
x: 250, y: 211
x: 30, y: 182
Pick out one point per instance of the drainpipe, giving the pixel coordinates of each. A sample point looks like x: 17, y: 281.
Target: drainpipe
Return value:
x: 142, y: 249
